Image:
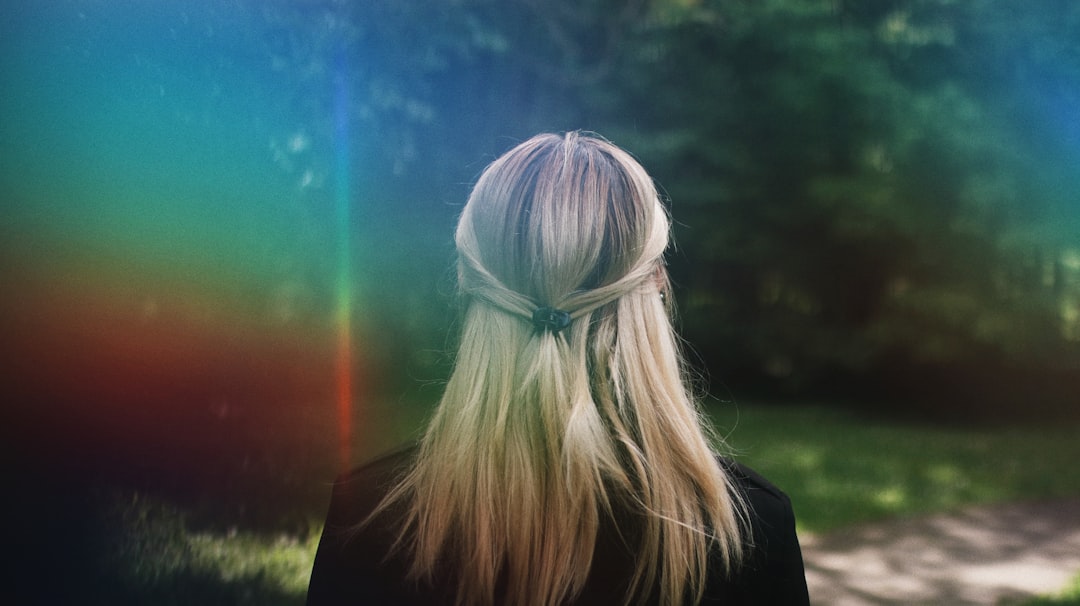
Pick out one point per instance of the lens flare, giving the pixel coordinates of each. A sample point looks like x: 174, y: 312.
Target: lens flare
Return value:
x: 344, y: 285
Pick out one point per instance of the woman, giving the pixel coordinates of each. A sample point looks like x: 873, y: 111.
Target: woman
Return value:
x: 566, y: 462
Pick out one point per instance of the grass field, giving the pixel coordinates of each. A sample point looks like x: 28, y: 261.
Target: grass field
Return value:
x: 838, y: 468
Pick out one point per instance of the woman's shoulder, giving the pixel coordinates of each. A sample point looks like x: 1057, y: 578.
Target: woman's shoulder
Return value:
x: 758, y: 490
x: 772, y: 571
x: 380, y: 469
x: 357, y: 492
x: 353, y: 563
x: 772, y: 517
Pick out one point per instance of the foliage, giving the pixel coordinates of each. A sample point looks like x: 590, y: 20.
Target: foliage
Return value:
x: 855, y: 183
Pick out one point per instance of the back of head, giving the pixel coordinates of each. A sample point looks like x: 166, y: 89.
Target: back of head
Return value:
x: 557, y: 216
x: 567, y: 408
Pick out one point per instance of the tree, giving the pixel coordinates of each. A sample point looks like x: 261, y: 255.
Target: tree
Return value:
x: 853, y: 189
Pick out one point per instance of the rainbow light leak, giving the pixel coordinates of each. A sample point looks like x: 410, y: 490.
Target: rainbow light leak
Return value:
x: 343, y: 287
x: 177, y: 248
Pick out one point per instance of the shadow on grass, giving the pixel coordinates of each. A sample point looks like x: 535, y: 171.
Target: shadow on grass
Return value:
x: 184, y: 588
x: 187, y: 587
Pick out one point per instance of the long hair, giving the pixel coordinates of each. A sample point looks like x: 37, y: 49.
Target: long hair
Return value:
x: 543, y: 436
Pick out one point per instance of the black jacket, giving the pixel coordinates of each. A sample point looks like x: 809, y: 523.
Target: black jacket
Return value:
x: 351, y: 567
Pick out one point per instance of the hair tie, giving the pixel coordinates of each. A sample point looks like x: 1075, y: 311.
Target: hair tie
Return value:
x: 551, y: 319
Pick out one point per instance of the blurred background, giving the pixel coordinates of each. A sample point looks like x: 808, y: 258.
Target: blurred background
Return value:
x: 226, y: 255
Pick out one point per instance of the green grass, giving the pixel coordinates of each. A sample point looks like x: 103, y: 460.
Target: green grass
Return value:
x: 841, y: 469
x: 155, y: 556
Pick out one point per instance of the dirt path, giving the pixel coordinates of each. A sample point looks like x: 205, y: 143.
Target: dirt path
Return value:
x: 977, y: 556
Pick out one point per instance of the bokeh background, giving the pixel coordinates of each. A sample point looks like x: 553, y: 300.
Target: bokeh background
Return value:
x: 226, y: 256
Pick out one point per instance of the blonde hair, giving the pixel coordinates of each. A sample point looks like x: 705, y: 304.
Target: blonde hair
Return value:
x: 542, y: 436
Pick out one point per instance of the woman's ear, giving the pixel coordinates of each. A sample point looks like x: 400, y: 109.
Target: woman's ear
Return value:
x: 663, y: 283
x: 661, y: 278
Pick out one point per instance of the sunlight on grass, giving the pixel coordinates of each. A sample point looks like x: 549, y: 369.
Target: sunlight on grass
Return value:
x: 283, y: 560
x: 891, y: 497
x: 841, y: 469
x: 156, y: 554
